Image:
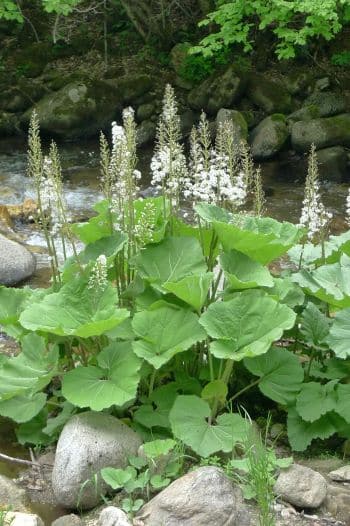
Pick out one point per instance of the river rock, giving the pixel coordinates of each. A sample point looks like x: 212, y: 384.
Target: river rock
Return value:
x: 301, y: 486
x: 337, y: 503
x: 178, y: 57
x: 240, y: 126
x: 89, y: 442
x: 146, y: 132
x: 306, y: 113
x: 145, y: 111
x: 68, y: 520
x: 78, y: 110
x: 217, y: 92
x: 203, y: 497
x: 340, y: 475
x: 11, y: 496
x: 9, y: 124
x: 112, y: 516
x: 298, y: 83
x: 22, y: 519
x: 330, y: 131
x: 333, y: 163
x: 269, y: 95
x: 131, y: 87
x: 269, y: 137
x: 328, y: 103
x: 16, y: 262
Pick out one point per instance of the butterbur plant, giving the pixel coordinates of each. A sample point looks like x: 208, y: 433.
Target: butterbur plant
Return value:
x: 168, y: 323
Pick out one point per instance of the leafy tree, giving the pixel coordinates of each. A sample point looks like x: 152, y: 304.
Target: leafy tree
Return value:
x: 293, y: 22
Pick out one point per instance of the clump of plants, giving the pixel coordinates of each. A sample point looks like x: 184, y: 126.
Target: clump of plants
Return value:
x: 156, y: 318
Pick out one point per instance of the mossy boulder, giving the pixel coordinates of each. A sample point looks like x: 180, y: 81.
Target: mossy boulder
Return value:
x: 78, y: 110
x: 218, y: 91
x: 146, y: 133
x: 299, y: 83
x: 329, y: 131
x: 9, y: 124
x: 328, y: 103
x: 332, y: 164
x: 145, y: 111
x: 131, y: 87
x: 240, y: 126
x: 269, y: 137
x: 269, y: 95
x: 31, y: 60
x: 306, y: 113
x: 178, y: 56
x: 22, y: 96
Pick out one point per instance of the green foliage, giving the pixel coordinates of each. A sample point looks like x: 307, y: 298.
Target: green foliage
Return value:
x: 294, y: 24
x: 9, y: 11
x: 341, y: 59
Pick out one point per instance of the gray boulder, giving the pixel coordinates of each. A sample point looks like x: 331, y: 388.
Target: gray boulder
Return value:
x: 301, y: 486
x: 328, y: 103
x: 146, y: 132
x: 333, y: 164
x: 203, y: 497
x: 80, y: 109
x: 145, y: 111
x: 269, y: 137
x: 11, y: 496
x: 240, y: 126
x: 306, y: 113
x: 22, y: 519
x: 9, y: 124
x: 341, y: 475
x: 112, y: 516
x: 217, y: 92
x: 330, y: 131
x: 89, y: 442
x: 269, y: 95
x: 68, y: 520
x: 16, y: 262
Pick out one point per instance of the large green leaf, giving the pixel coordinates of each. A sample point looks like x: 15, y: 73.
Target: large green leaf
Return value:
x: 190, y: 423
x: 203, y: 234
x: 246, y: 325
x: 281, y: 374
x: 75, y: 310
x: 330, y: 252
x: 212, y: 213
x: 302, y: 433
x: 171, y: 260
x: 315, y: 400
x: 113, y: 382
x: 329, y: 283
x: 287, y: 292
x: 98, y: 226
x: 22, y: 408
x: 343, y: 402
x: 155, y: 412
x: 12, y: 303
x: 262, y: 239
x: 314, y: 325
x: 191, y: 289
x: 164, y: 331
x: 339, y: 334
x: 243, y: 273
x: 30, y: 371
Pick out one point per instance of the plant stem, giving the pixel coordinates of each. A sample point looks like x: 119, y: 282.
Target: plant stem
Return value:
x: 246, y: 388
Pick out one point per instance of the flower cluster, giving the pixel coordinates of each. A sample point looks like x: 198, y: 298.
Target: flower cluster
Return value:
x: 347, y: 210
x: 215, y: 173
x: 98, y: 276
x: 314, y: 215
x: 144, y: 224
x: 168, y: 165
x: 52, y: 198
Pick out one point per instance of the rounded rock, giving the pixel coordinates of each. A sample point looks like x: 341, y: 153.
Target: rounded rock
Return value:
x: 301, y: 486
x: 16, y: 262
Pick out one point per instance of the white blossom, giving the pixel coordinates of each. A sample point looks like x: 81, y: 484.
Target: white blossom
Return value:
x: 98, y: 276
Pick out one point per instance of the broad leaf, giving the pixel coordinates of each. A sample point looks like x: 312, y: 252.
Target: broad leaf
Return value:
x: 171, y: 260
x: 157, y: 448
x: 113, y: 382
x: 165, y: 331
x: 98, y: 226
x: 246, y: 325
x: 331, y: 251
x: 343, y: 402
x: 339, y: 334
x: 212, y: 213
x: 301, y: 433
x: 189, y: 422
x: 287, y: 292
x: 118, y: 478
x: 262, y: 239
x: 281, y: 374
x: 331, y: 369
x: 30, y: 371
x: 191, y: 289
x: 23, y: 408
x: 243, y: 273
x: 315, y: 400
x: 329, y: 283
x: 215, y: 390
x: 314, y: 325
x: 76, y: 310
x: 156, y: 412
x: 12, y: 303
